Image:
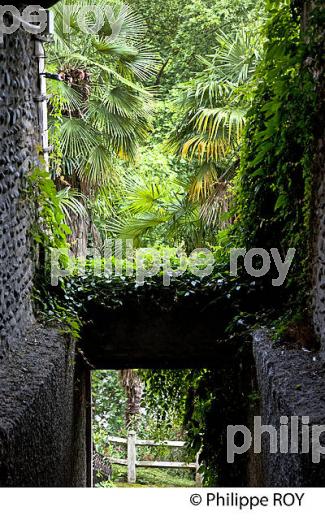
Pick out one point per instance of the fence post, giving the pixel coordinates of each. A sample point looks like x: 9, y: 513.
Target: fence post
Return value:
x: 198, y: 476
x: 131, y: 457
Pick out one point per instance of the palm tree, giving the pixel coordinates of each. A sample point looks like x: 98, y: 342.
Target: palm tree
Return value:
x: 101, y: 109
x: 212, y: 110
x: 133, y: 388
x: 162, y: 211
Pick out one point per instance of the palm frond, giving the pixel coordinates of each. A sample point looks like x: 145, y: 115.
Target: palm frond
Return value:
x: 215, y: 205
x: 97, y: 170
x: 229, y: 122
x: 135, y: 226
x: 77, y: 138
x: 202, y: 181
x: 72, y: 202
x: 204, y: 149
x: 125, y: 102
x: 211, y: 106
x: 237, y: 57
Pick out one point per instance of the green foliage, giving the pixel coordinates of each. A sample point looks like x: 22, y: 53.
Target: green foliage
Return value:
x: 105, y: 484
x: 109, y: 402
x: 158, y: 211
x: 208, y: 113
x: 49, y: 231
x: 212, y: 110
x: 274, y: 183
x: 101, y: 110
x: 182, y: 31
x: 53, y: 312
x: 115, y: 290
x: 171, y: 387
x: 49, y: 228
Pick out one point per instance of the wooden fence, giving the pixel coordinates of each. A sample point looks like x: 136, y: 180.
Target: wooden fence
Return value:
x: 132, y: 463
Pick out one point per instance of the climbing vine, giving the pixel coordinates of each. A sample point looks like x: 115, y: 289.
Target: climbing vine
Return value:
x: 49, y: 231
x: 273, y: 204
x: 49, y: 227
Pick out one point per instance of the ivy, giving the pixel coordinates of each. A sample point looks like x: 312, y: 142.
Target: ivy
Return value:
x: 49, y: 228
x: 48, y: 231
x: 273, y: 187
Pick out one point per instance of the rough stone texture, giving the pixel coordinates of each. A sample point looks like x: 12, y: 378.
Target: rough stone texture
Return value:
x: 316, y: 65
x: 42, y: 413
x: 319, y: 219
x: 42, y: 399
x: 291, y: 383
x: 18, y: 138
x: 319, y: 265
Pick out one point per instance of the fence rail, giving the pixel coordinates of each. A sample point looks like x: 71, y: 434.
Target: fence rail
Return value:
x: 132, y: 463
x: 138, y: 442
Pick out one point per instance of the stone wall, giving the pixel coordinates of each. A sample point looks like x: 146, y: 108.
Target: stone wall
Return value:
x: 42, y: 413
x: 319, y: 256
x: 318, y: 71
x: 18, y: 139
x: 291, y: 383
x: 43, y: 384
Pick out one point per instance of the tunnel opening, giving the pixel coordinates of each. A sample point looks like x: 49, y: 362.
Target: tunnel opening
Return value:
x: 135, y: 443
x: 147, y: 423
x: 195, y: 327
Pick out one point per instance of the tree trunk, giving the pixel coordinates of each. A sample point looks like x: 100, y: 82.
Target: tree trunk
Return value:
x: 133, y: 387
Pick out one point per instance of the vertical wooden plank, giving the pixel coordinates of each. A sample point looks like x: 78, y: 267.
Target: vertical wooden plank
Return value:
x: 131, y: 457
x: 198, y: 476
